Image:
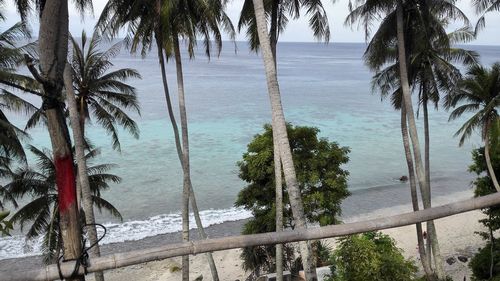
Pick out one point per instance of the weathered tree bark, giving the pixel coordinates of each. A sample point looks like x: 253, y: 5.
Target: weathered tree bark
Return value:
x: 185, y: 155
x: 88, y: 206
x: 491, y: 171
x: 273, y: 38
x: 281, y: 137
x: 279, y: 209
x: 419, y: 167
x: 53, y: 48
x: 414, y: 196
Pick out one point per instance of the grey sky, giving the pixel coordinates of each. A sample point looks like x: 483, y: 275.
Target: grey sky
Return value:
x: 297, y: 31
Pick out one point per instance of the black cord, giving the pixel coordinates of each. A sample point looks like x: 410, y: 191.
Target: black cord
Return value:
x: 83, y: 260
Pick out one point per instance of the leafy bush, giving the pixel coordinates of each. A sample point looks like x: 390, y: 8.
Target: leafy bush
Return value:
x: 481, y: 262
x: 371, y: 256
x: 322, y: 182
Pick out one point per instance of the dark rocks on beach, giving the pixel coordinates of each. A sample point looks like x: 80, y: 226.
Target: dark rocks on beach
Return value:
x: 199, y: 278
x: 451, y: 260
x: 463, y: 258
x: 403, y: 179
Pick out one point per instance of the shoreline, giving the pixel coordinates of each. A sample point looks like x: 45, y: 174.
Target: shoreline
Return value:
x: 230, y: 228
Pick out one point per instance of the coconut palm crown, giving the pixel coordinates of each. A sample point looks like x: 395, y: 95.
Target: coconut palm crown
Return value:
x: 102, y: 92
x: 39, y: 184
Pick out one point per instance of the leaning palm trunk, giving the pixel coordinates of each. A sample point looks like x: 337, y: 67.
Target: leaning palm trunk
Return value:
x: 414, y: 196
x: 432, y: 241
x: 273, y: 37
x: 491, y: 171
x: 281, y: 137
x: 53, y: 46
x: 279, y: 210
x: 185, y: 155
x: 419, y: 167
x: 82, y: 167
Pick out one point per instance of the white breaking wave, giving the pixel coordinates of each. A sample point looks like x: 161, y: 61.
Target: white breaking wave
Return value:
x: 16, y: 246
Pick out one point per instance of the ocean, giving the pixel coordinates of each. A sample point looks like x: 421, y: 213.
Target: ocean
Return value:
x: 322, y: 85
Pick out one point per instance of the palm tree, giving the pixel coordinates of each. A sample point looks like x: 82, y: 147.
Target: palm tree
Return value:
x: 483, y: 7
x: 427, y: 48
x: 280, y: 136
x: 100, y: 92
x: 53, y: 46
x: 41, y: 215
x: 11, y: 56
x: 164, y: 23
x: 478, y: 93
x: 278, y: 12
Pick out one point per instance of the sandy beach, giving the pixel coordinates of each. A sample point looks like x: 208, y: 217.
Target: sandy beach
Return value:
x: 456, y: 236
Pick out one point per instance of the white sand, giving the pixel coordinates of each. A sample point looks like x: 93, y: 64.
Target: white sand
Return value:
x: 455, y: 233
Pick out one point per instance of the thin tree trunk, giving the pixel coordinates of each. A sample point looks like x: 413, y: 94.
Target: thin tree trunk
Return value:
x: 83, y: 178
x: 491, y: 171
x: 178, y: 146
x: 419, y: 167
x: 279, y: 210
x: 273, y: 38
x: 431, y: 228
x: 53, y: 48
x: 414, y: 196
x: 185, y: 155
x: 281, y: 137
x: 492, y: 247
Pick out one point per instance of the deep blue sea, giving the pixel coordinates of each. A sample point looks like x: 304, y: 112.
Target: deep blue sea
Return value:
x: 326, y: 86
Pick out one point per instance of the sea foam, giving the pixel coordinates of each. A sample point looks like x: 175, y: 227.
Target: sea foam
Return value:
x: 17, y: 246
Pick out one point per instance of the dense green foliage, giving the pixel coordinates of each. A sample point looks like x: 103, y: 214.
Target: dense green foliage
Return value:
x: 322, y: 181
x: 370, y: 256
x: 477, y: 93
x: 481, y: 263
x: 38, y: 184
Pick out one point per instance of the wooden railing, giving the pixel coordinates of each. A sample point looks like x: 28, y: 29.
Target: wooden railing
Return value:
x: 118, y: 260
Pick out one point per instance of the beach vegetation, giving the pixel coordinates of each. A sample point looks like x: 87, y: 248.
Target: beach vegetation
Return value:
x: 101, y: 91
x: 411, y: 51
x: 485, y: 264
x: 322, y: 182
x: 12, y: 83
x: 478, y: 94
x: 166, y: 25
x: 37, y: 185
x: 371, y: 256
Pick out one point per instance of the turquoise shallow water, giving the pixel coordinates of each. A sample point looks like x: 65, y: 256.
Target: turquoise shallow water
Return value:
x: 326, y: 86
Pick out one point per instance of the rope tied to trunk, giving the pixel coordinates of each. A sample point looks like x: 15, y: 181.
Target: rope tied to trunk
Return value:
x: 83, y: 260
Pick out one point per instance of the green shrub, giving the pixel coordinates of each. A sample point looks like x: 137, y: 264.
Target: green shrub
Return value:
x: 481, y: 262
x: 372, y: 256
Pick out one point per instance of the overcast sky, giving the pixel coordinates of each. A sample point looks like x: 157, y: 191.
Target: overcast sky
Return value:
x: 297, y: 31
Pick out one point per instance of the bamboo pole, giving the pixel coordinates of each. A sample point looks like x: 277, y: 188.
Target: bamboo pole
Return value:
x: 118, y: 260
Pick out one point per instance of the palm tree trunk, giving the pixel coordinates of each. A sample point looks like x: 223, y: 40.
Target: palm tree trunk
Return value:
x: 419, y: 167
x: 178, y: 146
x: 53, y: 46
x: 82, y: 167
x: 281, y: 137
x: 491, y: 171
x: 273, y: 38
x: 185, y: 155
x: 432, y: 240
x: 279, y: 210
x: 414, y: 196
